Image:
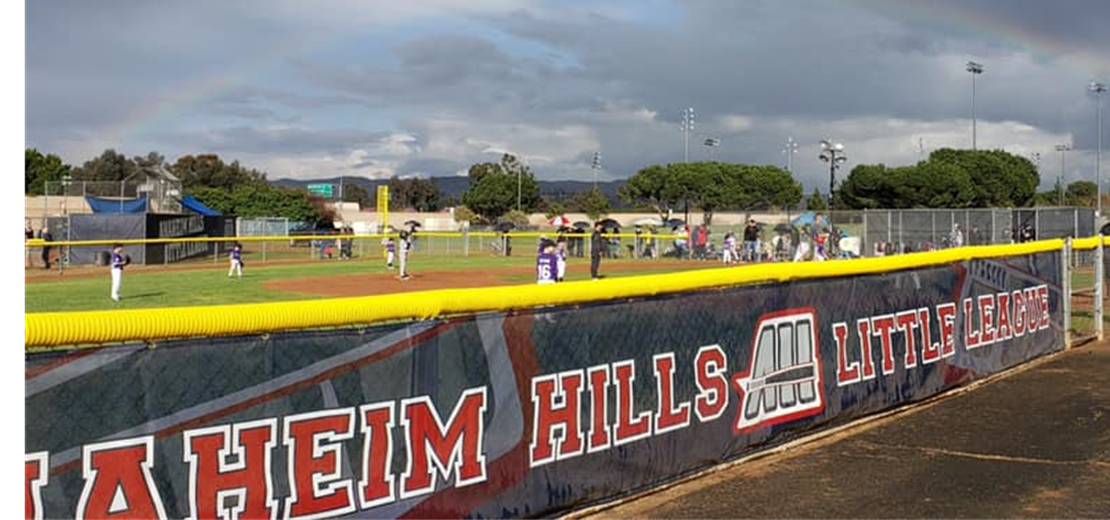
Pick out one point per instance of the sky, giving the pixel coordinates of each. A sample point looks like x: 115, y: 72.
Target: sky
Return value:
x: 379, y: 88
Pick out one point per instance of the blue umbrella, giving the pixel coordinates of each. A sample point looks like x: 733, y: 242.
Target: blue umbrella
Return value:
x: 805, y: 219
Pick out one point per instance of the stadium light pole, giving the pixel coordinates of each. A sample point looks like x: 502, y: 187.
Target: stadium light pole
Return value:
x: 790, y: 149
x: 1098, y: 89
x: 712, y: 143
x: 975, y: 69
x: 1063, y: 149
x: 596, y: 166
x: 832, y: 153
x: 687, y: 126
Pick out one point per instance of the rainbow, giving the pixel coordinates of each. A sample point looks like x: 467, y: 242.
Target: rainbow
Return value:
x: 1042, y: 46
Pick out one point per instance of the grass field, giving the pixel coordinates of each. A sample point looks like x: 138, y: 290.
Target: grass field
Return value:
x: 88, y: 288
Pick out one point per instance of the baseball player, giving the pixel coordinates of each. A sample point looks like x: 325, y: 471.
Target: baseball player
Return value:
x: 547, y: 263
x: 118, y: 261
x: 406, y: 243
x: 561, y: 255
x: 390, y: 252
x: 236, y: 257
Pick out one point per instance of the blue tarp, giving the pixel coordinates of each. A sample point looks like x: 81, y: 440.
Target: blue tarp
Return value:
x: 194, y: 205
x: 100, y: 205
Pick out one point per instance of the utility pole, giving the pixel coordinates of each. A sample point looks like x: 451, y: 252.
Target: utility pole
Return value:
x: 975, y: 69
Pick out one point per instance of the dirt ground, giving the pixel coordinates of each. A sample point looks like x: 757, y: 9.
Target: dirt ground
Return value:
x: 1031, y: 445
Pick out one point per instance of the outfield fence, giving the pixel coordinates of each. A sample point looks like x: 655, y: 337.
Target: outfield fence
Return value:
x: 514, y: 401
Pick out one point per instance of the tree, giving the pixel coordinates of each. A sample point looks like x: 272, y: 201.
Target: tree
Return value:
x: 1081, y: 193
x: 592, y: 202
x: 208, y: 170
x: 38, y: 169
x: 356, y: 193
x: 648, y: 187
x: 816, y: 201
x: 553, y: 209
x: 463, y: 214
x: 948, y: 179
x: 711, y: 186
x: 263, y: 200
x: 419, y: 194
x: 493, y: 188
x: 109, y: 166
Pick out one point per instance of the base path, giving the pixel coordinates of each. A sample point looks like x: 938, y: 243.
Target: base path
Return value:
x: 1035, y: 444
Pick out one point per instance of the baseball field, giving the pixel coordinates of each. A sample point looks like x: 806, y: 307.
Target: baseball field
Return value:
x: 206, y: 282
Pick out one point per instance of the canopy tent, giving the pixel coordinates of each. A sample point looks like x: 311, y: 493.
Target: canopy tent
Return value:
x: 192, y: 204
x: 100, y: 205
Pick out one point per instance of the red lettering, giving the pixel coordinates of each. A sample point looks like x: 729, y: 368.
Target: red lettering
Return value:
x: 628, y: 429
x: 1019, y: 313
x: 1032, y: 323
x: 946, y: 317
x: 669, y: 416
x: 882, y: 326
x: 1042, y: 297
x: 1004, y: 330
x: 214, y: 477
x: 970, y: 335
x: 711, y: 366
x: 454, y: 448
x: 548, y: 416
x: 863, y: 325
x: 118, y: 482
x: 315, y: 447
x: 907, y: 322
x: 600, y: 435
x: 846, y: 373
x: 930, y: 352
x: 986, y: 319
x: 35, y: 477
x: 376, y: 486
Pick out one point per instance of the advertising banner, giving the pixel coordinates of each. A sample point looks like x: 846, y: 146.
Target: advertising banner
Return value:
x: 520, y: 414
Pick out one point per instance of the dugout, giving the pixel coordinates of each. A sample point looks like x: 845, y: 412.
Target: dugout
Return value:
x: 134, y: 226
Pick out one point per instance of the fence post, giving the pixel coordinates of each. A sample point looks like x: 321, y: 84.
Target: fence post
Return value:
x: 863, y: 240
x: 264, y: 242
x: 933, y: 235
x: 466, y: 241
x: 1100, y: 283
x: 889, y: 228
x: 1065, y: 282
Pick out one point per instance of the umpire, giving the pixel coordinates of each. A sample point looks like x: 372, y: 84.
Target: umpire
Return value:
x: 597, y: 245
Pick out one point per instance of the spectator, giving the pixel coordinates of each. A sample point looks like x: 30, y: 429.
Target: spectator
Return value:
x: 597, y: 246
x: 957, y: 236
x: 701, y: 239
x: 751, y: 241
x: 46, y: 238
x: 28, y: 234
x: 681, y: 244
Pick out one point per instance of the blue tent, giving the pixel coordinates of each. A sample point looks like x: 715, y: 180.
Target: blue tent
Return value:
x: 100, y: 205
x: 194, y: 205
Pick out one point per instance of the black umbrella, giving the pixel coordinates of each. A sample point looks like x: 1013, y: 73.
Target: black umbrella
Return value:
x: 674, y: 222
x: 610, y: 223
x: 412, y: 223
x: 504, y: 226
x: 784, y: 228
x: 582, y: 224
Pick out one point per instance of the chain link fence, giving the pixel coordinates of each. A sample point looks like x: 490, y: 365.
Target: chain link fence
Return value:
x: 909, y: 230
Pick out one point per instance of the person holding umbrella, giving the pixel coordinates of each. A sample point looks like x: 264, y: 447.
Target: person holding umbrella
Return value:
x: 597, y: 245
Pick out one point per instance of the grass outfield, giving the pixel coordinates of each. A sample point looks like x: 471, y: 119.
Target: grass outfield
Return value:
x: 201, y: 285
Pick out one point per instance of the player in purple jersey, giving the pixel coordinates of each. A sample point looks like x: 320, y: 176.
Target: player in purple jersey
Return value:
x: 390, y: 252
x: 547, y: 263
x: 236, y: 257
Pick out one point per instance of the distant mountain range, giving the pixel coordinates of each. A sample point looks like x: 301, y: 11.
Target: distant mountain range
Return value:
x: 455, y: 186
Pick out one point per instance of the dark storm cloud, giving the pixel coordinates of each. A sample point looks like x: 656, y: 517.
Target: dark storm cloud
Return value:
x: 605, y: 76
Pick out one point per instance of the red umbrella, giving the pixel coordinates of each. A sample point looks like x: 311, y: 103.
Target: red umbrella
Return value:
x: 559, y: 221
